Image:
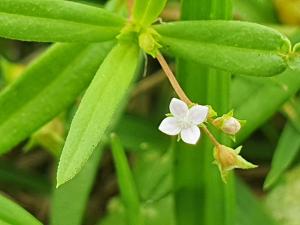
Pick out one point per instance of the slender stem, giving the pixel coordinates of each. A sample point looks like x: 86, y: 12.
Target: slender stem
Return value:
x: 129, y: 7
x: 172, y: 79
x: 210, y: 136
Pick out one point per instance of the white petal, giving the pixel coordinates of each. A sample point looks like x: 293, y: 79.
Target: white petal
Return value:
x: 178, y: 108
x: 197, y: 114
x: 169, y: 126
x: 190, y: 135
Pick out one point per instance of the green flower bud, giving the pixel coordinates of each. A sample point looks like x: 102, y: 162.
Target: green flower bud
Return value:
x: 148, y: 42
x: 228, y: 159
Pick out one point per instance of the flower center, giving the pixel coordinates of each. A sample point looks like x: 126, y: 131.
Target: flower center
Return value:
x: 184, y: 123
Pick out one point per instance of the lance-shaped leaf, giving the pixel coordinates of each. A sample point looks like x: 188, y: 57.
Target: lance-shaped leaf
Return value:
x: 56, y: 21
x: 237, y: 47
x: 286, y: 151
x: 148, y: 137
x: 47, y: 87
x: 13, y: 214
x: 146, y: 12
x: 97, y: 109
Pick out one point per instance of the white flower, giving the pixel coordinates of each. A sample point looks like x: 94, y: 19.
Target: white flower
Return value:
x: 184, y: 121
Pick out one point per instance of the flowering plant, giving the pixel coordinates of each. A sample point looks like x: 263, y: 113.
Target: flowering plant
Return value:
x: 102, y: 52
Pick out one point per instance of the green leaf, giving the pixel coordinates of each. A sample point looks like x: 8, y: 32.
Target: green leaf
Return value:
x: 206, y: 10
x: 157, y: 212
x: 250, y: 210
x: 96, y: 112
x: 262, y: 11
x: 283, y: 200
x: 148, y: 137
x: 153, y: 173
x: 291, y: 110
x: 74, y: 194
x: 257, y: 107
x: 47, y: 87
x: 56, y: 21
x: 145, y: 12
x: 16, y: 178
x: 129, y: 194
x: 2, y: 73
x: 153, y: 178
x: 286, y: 151
x: 237, y: 47
x: 243, y: 87
x: 78, y: 188
x: 13, y: 214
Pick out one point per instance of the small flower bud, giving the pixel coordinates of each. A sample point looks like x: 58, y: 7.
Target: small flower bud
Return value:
x: 228, y: 124
x: 228, y: 159
x: 231, y: 126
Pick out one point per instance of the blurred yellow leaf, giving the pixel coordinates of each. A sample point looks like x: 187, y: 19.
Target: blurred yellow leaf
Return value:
x: 288, y: 11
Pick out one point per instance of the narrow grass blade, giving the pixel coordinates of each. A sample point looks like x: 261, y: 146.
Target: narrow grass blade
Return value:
x: 153, y: 173
x: 73, y: 196
x: 250, y: 209
x: 258, y: 108
x: 129, y: 193
x: 200, y: 194
x: 291, y: 109
x: 286, y: 151
x: 13, y: 214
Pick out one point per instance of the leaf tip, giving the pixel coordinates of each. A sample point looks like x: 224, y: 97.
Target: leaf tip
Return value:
x: 63, y: 180
x: 269, y: 182
x: 59, y: 181
x: 61, y: 177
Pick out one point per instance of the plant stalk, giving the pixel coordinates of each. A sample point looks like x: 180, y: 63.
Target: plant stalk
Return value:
x: 181, y: 94
x: 200, y: 195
